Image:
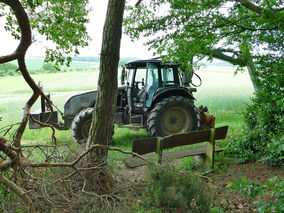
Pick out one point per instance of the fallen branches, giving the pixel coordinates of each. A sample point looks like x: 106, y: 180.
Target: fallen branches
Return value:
x: 54, y: 182
x: 53, y: 138
x: 19, y: 191
x: 5, y: 147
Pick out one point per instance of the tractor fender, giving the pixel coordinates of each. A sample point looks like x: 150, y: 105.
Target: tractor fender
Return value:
x: 163, y: 93
x: 78, y: 102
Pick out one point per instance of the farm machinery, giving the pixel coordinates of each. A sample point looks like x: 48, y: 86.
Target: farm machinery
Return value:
x: 151, y: 96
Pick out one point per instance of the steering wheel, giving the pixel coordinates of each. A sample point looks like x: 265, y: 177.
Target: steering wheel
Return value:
x: 136, y: 83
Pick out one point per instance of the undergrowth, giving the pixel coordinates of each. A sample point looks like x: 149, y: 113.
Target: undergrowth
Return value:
x: 171, y: 190
x: 270, y: 196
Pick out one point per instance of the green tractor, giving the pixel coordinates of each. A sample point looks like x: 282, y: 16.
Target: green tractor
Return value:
x: 151, y: 96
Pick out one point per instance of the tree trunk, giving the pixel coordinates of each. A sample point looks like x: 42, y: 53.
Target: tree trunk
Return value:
x: 252, y: 71
x: 102, y: 122
x: 187, y: 72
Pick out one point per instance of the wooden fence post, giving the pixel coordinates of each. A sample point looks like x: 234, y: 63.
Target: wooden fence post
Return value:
x: 209, y: 155
x: 159, y: 150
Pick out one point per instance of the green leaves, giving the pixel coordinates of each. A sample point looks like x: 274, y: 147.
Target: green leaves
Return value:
x: 186, y: 28
x: 274, y: 187
x: 60, y: 21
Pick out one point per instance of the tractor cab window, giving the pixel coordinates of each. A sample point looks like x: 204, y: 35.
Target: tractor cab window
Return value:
x: 167, y: 76
x: 152, y: 82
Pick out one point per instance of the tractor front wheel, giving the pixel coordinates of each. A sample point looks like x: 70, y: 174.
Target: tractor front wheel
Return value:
x: 172, y: 115
x: 81, y: 125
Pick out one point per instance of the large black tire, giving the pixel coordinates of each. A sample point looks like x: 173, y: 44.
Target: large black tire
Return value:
x: 172, y: 115
x: 81, y: 125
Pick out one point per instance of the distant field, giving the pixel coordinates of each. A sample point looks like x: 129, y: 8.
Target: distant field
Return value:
x: 36, y: 63
x: 223, y: 93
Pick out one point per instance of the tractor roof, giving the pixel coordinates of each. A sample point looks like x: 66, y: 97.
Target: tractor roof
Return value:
x: 143, y: 63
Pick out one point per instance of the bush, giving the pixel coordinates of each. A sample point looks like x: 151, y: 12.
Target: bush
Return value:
x: 168, y: 189
x: 271, y: 193
x: 48, y: 68
x: 8, y: 69
x: 264, y: 119
x: 274, y: 152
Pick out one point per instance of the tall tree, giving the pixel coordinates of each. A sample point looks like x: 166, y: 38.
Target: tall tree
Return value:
x: 242, y: 32
x: 226, y: 29
x: 103, y: 114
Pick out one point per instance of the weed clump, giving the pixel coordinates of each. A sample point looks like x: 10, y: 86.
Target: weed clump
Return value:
x: 171, y: 190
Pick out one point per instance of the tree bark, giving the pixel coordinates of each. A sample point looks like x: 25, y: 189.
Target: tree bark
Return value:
x: 102, y: 122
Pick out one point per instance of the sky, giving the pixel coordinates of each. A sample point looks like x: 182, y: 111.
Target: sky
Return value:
x: 95, y: 28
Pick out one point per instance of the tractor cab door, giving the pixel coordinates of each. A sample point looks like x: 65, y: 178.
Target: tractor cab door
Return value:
x: 136, y: 89
x: 152, y: 82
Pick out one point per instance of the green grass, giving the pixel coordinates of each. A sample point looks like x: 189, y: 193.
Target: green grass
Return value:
x: 224, y: 94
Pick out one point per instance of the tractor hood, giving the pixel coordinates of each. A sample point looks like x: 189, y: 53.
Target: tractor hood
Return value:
x: 80, y: 101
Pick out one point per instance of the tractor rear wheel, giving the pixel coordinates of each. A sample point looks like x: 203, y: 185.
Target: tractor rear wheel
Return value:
x: 173, y: 115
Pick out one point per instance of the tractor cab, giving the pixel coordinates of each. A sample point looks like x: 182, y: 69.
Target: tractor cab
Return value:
x: 144, y: 79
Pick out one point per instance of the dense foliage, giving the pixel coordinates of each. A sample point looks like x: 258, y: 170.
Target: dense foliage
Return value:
x: 263, y: 136
x: 238, y: 31
x: 186, y: 28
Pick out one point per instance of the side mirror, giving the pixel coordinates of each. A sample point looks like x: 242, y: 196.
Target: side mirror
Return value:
x: 122, y: 76
x: 143, y: 82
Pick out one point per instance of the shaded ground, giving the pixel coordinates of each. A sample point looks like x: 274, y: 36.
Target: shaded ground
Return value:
x: 232, y: 201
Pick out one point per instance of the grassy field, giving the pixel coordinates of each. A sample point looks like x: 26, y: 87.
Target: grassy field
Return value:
x: 36, y: 63
x: 223, y: 93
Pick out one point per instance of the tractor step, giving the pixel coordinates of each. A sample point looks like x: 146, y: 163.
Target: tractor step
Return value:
x: 135, y: 128
x: 136, y: 119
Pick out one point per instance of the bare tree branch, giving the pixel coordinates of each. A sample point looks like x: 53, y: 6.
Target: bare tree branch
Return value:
x: 19, y: 54
x: 5, y: 165
x: 5, y: 147
x: 255, y: 8
x: 219, y: 54
x: 138, y: 2
x: 79, y: 158
x: 53, y: 138
x: 19, y: 191
x: 26, y: 38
